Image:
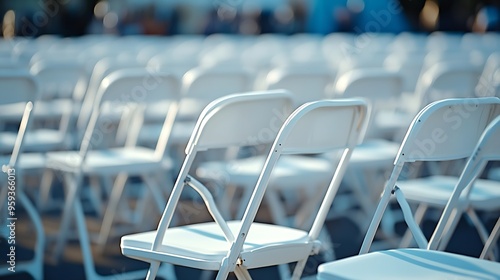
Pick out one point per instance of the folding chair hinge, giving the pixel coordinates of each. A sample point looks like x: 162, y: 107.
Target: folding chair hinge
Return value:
x: 316, y: 247
x: 187, y: 180
x: 396, y: 188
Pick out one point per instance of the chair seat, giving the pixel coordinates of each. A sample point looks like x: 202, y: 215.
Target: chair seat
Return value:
x: 27, y: 161
x: 290, y: 172
x: 134, y: 160
x: 409, y: 264
x: 436, y: 190
x: 204, y: 246
x: 40, y: 140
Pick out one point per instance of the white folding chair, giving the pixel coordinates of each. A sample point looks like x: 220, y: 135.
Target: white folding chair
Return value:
x: 373, y: 158
x: 236, y: 246
x: 434, y: 191
x: 135, y: 89
x: 489, y: 81
x: 60, y: 103
x: 101, y: 70
x: 298, y: 182
x: 423, y: 261
x: 199, y: 87
x: 12, y: 195
x: 408, y: 65
x: 446, y: 80
x: 307, y: 82
x: 38, y: 139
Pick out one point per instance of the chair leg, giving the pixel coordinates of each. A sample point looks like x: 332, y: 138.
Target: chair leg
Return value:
x: 167, y: 271
x: 284, y: 271
x: 88, y: 260
x: 245, y: 198
x: 206, y: 275
x: 225, y: 201
x: 45, y: 187
x: 483, y: 234
x: 36, y: 268
x: 153, y: 270
x: 110, y: 212
x: 141, y: 208
x: 299, y: 268
x: 276, y: 207
x: 242, y: 273
x: 157, y: 194
x: 73, y: 188
x: 379, y: 211
x: 450, y: 227
x: 407, y: 239
x: 492, y: 240
x: 358, y: 185
x: 3, y: 205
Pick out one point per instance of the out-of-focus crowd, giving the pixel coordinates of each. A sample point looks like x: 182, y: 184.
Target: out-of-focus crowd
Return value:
x: 170, y: 17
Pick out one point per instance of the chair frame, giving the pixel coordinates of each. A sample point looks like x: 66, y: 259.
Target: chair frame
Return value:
x: 232, y: 263
x: 483, y: 151
x: 34, y: 266
x: 409, y: 153
x: 73, y: 176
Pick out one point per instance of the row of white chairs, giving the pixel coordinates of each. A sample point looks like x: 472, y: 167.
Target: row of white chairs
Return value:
x: 60, y: 162
x: 366, y: 42
x: 120, y: 86
x: 74, y: 90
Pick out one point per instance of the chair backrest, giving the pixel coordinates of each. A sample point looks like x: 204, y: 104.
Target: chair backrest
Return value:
x: 374, y: 84
x: 381, y: 87
x: 102, y: 69
x: 447, y: 80
x: 486, y: 149
x: 19, y: 90
x: 444, y: 130
x: 18, y: 144
x: 232, y: 120
x: 315, y: 127
x: 447, y: 129
x: 203, y: 85
x: 490, y: 77
x: 58, y: 79
x: 306, y: 84
x: 220, y: 124
x: 211, y: 83
x: 18, y: 86
x: 408, y: 65
x: 126, y: 91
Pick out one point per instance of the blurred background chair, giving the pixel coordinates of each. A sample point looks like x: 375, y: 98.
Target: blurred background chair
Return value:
x: 372, y: 159
x: 13, y: 195
x: 115, y: 164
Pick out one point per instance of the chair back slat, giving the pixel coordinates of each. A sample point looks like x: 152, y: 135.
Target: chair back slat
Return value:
x: 318, y: 129
x: 447, y: 129
x: 248, y: 121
